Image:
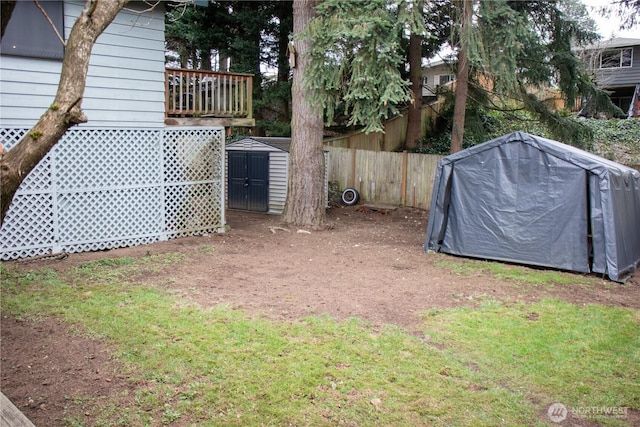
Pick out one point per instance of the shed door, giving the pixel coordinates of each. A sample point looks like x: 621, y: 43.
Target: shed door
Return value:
x: 248, y: 180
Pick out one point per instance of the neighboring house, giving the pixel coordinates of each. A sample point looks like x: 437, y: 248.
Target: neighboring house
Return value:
x: 125, y: 177
x: 437, y: 73
x: 615, y: 66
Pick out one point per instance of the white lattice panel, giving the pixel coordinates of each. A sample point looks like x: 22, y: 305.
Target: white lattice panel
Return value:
x: 108, y: 188
x: 192, y: 208
x: 89, y: 216
x: 40, y: 178
x: 118, y: 158
x: 28, y: 228
x: 192, y: 156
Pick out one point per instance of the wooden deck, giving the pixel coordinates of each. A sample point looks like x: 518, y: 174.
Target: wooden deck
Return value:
x: 197, y: 98
x: 10, y: 416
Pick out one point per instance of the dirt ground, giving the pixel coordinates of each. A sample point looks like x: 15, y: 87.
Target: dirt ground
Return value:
x: 370, y: 264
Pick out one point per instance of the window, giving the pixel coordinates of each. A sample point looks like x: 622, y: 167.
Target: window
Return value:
x: 445, y: 78
x: 28, y: 32
x: 616, y: 58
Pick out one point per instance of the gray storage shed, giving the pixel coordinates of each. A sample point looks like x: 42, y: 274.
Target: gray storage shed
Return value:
x: 530, y: 200
x: 258, y: 174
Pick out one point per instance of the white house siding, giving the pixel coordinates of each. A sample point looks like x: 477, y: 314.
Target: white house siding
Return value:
x: 125, y: 83
x: 278, y: 171
x: 431, y: 76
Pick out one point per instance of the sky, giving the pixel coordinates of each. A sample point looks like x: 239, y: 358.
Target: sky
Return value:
x: 609, y: 26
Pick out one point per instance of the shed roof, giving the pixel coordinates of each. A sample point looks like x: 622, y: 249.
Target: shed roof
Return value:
x: 280, y: 143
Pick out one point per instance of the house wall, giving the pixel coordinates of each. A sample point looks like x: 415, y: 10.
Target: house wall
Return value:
x: 620, y: 77
x: 125, y: 83
x: 431, y: 75
x: 278, y: 171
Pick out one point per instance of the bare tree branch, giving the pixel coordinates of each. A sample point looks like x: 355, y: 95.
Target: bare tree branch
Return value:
x: 152, y: 5
x: 46, y: 16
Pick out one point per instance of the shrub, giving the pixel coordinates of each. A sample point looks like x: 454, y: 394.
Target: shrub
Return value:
x: 615, y: 139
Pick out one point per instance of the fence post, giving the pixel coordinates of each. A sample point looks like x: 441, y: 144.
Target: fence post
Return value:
x: 403, y: 187
x: 352, y: 174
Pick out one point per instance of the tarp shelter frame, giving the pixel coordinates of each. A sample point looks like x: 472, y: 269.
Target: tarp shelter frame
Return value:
x: 531, y: 200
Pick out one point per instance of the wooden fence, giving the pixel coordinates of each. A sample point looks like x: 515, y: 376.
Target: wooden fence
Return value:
x: 404, y: 179
x: 394, y: 136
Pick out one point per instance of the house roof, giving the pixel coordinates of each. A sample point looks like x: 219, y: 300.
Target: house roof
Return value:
x: 613, y: 43
x: 438, y: 61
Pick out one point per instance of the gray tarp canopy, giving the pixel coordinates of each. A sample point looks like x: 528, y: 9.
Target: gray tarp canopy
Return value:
x: 530, y: 200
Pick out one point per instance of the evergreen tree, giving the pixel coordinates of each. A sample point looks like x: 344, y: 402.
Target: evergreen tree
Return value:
x: 517, y: 48
x: 193, y: 32
x: 356, y: 58
x: 628, y: 11
x: 248, y: 35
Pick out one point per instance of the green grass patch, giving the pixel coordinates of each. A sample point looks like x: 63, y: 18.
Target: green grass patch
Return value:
x: 557, y: 352
x: 217, y: 366
x: 519, y: 274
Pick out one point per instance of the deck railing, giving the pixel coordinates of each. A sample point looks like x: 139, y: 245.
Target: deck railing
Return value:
x: 207, y: 94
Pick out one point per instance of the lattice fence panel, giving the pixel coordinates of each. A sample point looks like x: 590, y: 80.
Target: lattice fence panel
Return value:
x: 108, y: 188
x: 88, y: 218
x: 190, y: 208
x: 39, y: 180
x: 194, y: 177
x: 192, y: 156
x: 28, y: 228
x: 118, y: 158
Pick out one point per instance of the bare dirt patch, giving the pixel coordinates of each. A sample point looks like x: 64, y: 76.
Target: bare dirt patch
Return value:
x: 370, y: 264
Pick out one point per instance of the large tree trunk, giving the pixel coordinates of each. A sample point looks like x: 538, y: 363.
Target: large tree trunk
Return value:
x: 305, y: 196
x: 462, y: 79
x: 65, y: 111
x: 205, y: 59
x: 414, y: 117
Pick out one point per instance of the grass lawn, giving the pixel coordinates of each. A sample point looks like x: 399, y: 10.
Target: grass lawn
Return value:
x: 496, y: 364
